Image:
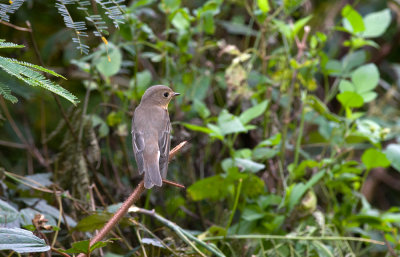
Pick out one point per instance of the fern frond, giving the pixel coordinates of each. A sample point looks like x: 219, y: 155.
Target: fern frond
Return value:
x: 9, y: 45
x: 36, y: 67
x: 79, y: 27
x: 27, y: 73
x: 113, y: 10
x: 6, y: 93
x: 6, y: 9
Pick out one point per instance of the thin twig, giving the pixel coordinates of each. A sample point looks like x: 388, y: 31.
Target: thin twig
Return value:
x: 308, y: 238
x: 172, y: 183
x: 12, y: 144
x: 15, y: 26
x: 59, y: 252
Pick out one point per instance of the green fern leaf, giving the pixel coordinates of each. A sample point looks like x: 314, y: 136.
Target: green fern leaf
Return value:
x: 9, y: 45
x: 28, y: 73
x: 37, y: 67
x: 6, y: 93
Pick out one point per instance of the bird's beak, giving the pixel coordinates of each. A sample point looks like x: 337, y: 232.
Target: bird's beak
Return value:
x: 176, y: 94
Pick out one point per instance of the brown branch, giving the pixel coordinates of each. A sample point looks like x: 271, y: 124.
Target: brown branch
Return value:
x: 59, y: 252
x: 172, y: 183
x: 15, y: 26
x: 127, y: 204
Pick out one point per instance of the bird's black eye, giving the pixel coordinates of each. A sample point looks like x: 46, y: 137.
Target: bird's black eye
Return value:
x: 166, y: 94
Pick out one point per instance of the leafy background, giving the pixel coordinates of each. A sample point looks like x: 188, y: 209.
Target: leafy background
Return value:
x: 290, y: 109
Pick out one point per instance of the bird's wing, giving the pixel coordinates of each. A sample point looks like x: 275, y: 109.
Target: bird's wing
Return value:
x: 164, y: 143
x: 138, y: 147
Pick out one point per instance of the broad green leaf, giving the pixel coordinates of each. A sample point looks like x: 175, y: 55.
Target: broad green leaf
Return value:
x: 391, y: 217
x: 7, y: 212
x: 273, y: 140
x: 201, y: 108
x: 197, y: 128
x: 253, y: 112
x: 215, y: 230
x: 376, y: 23
x: 21, y: 241
x: 109, y: 65
x: 368, y: 96
x: 353, y: 59
x: 252, y: 186
x: 358, y: 42
x: 43, y: 207
x: 169, y: 6
x: 350, y: 99
x: 216, y: 131
x: 199, y: 89
x: 208, y: 24
x: 354, y: 18
x: 92, y: 222
x: 266, y: 200
x: 393, y: 154
x: 291, y: 5
x: 229, y: 123
x: 346, y: 85
x: 300, y: 189
x: 181, y: 20
x: 214, y: 188
x: 83, y: 247
x: 365, y: 78
x: 144, y: 81
x: 370, y: 130
x: 298, y: 25
x: 264, y: 153
x: 79, y: 247
x: 263, y: 5
x: 252, y: 212
x: 249, y: 165
x: 373, y: 158
x: 152, y: 241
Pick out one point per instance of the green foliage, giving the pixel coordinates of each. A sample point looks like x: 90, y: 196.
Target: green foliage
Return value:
x: 21, y: 241
x: 83, y: 247
x: 30, y: 74
x: 286, y: 116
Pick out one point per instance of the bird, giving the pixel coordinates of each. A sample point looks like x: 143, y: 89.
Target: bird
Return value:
x: 151, y: 130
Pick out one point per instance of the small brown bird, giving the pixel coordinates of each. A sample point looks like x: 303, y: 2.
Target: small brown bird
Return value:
x: 151, y: 130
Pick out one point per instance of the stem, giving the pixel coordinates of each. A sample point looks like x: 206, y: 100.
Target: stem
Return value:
x: 307, y: 238
x: 300, y: 135
x: 239, y: 189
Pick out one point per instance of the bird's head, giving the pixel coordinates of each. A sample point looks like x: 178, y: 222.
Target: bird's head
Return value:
x: 158, y: 95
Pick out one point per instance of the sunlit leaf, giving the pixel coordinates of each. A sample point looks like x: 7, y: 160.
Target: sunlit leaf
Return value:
x: 253, y: 112
x: 350, y: 99
x: 21, y: 241
x: 393, y: 154
x: 373, y: 158
x: 354, y: 18
x: 376, y: 23
x: 263, y: 5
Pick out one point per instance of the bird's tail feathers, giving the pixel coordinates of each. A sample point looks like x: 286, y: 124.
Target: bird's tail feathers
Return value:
x: 152, y: 176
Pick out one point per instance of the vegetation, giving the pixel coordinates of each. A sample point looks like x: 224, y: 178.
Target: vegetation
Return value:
x: 290, y: 109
